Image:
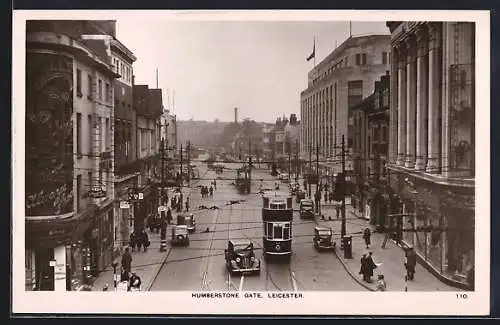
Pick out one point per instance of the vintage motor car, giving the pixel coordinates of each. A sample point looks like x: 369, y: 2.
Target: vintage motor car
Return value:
x: 306, y: 208
x: 188, y: 220
x: 300, y: 194
x: 180, y: 235
x: 323, y: 239
x: 240, y: 257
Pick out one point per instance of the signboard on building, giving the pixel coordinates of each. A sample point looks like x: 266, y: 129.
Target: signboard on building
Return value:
x: 162, y: 208
x: 124, y: 205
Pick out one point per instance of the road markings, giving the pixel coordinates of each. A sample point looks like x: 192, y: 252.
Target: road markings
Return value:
x: 294, y: 283
x: 241, y: 282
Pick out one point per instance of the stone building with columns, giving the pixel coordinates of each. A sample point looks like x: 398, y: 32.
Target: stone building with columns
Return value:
x: 431, y: 148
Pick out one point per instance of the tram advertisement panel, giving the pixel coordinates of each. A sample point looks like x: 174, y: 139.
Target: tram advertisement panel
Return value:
x: 277, y: 215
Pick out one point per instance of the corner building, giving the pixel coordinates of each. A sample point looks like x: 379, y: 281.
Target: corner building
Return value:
x: 431, y: 147
x: 69, y: 156
x: 338, y: 82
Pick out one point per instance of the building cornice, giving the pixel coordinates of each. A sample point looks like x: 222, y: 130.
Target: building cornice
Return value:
x: 117, y: 45
x: 435, y: 178
x: 62, y: 43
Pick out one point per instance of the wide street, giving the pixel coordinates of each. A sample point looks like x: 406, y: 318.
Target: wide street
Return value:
x: 201, y: 265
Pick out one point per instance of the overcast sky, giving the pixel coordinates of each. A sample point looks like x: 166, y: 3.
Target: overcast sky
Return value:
x: 214, y: 66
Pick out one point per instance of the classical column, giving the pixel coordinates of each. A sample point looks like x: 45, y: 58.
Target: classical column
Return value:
x: 401, y: 105
x: 411, y: 89
x: 393, y: 122
x: 433, y: 151
x: 422, y: 97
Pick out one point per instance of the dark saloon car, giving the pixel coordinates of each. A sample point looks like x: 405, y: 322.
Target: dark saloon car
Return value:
x: 323, y: 239
x: 240, y: 257
x: 188, y: 220
x: 306, y: 209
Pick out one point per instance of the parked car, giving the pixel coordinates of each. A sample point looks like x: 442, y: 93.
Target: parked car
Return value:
x: 180, y: 235
x: 323, y: 239
x: 306, y: 208
x: 300, y: 195
x: 284, y: 177
x: 240, y: 257
x: 187, y: 219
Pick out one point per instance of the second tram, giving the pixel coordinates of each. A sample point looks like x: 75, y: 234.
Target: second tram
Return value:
x: 277, y: 216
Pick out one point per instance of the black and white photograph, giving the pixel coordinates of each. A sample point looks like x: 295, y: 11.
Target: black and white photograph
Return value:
x: 232, y: 162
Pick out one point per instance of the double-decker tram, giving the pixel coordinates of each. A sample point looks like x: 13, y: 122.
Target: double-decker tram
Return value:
x: 277, y: 216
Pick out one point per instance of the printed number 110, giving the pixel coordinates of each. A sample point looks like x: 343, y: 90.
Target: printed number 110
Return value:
x: 462, y: 296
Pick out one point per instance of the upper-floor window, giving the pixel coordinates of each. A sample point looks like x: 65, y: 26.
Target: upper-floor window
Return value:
x: 100, y: 89
x: 358, y: 59
x: 79, y: 135
x: 79, y: 82
x: 90, y: 82
x: 384, y: 57
x: 107, y: 93
x: 363, y: 59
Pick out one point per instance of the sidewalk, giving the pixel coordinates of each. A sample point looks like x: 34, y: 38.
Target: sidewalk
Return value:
x: 392, y: 257
x: 146, y: 264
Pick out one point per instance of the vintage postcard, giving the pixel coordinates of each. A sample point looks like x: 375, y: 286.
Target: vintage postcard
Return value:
x: 251, y: 162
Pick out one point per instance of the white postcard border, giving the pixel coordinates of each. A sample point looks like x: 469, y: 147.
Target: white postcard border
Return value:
x: 313, y: 303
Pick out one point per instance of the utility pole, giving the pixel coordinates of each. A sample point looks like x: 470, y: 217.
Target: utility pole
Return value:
x: 162, y: 159
x: 182, y: 181
x: 189, y: 162
x: 249, y: 165
x: 296, y: 161
x: 310, y: 170
x: 343, y: 184
x: 289, y: 161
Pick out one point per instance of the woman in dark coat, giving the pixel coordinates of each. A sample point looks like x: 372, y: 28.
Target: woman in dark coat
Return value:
x: 369, y: 267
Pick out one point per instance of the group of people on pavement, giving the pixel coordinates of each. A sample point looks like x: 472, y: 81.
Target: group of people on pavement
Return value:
x: 139, y: 239
x: 206, y: 191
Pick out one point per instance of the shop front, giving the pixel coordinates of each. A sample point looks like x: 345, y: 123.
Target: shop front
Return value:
x: 123, y: 210
x: 438, y: 221
x: 104, y: 223
x: 54, y: 257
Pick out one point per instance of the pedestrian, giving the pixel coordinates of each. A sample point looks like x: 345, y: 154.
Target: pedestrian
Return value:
x: 410, y: 262
x: 132, y: 241
x: 326, y: 196
x: 363, y: 266
x: 331, y: 197
x: 381, y: 285
x: 337, y: 209
x: 169, y: 216
x: 135, y: 282
x: 126, y: 261
x: 366, y: 236
x: 145, y: 240
x: 211, y: 191
x: 187, y: 205
x: 369, y: 267
x: 215, y: 184
x: 139, y: 241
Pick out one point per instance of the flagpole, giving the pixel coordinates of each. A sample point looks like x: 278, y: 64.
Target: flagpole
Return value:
x: 315, y: 51
x: 350, y: 29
